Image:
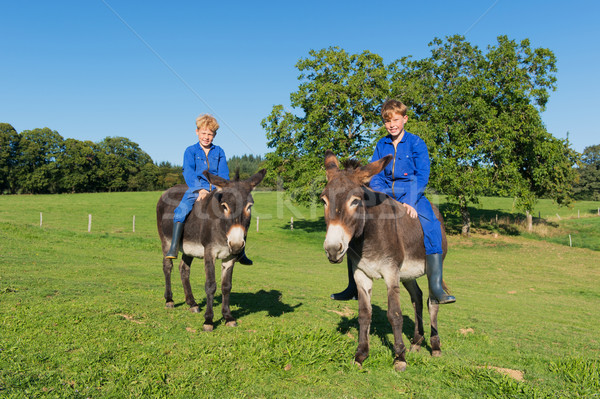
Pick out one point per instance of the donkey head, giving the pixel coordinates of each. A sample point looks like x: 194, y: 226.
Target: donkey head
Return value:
x: 343, y: 199
x: 232, y: 203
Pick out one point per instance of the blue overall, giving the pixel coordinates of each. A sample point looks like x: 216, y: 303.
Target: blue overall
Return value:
x: 405, y: 179
x: 195, y: 162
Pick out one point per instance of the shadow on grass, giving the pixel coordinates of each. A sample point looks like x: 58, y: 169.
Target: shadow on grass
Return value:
x: 249, y: 303
x: 494, y: 220
x: 381, y: 328
x: 309, y: 226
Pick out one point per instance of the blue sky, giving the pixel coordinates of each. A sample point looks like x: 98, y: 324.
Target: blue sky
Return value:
x: 146, y: 69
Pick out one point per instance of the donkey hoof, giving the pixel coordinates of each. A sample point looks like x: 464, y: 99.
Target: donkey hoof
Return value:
x: 208, y: 327
x: 436, y: 353
x: 195, y: 309
x: 231, y: 323
x: 170, y: 305
x: 357, y: 364
x: 399, y: 365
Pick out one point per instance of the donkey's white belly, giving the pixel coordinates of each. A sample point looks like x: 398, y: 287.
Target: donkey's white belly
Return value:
x: 376, y: 269
x: 194, y: 249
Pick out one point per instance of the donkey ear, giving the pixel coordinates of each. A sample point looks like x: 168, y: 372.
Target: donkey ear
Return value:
x: 215, y: 180
x: 256, y: 178
x: 367, y: 172
x: 332, y: 166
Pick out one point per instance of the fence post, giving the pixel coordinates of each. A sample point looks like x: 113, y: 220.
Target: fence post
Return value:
x: 257, y: 219
x: 89, y: 222
x: 40, y: 219
x: 134, y: 223
x: 292, y: 223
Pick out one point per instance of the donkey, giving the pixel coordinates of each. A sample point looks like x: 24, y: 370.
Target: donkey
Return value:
x: 381, y: 241
x: 215, y: 229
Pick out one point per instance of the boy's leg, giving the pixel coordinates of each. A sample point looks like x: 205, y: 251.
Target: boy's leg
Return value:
x: 350, y: 292
x: 181, y: 212
x: 432, y: 238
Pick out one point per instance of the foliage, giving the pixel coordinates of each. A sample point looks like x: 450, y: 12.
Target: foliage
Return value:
x: 81, y: 321
x: 588, y: 186
x: 246, y: 165
x: 336, y: 106
x: 9, y: 150
x: 479, y: 114
x: 477, y: 111
x: 41, y: 161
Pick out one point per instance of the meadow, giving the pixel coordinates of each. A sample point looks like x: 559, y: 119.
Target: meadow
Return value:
x: 82, y: 313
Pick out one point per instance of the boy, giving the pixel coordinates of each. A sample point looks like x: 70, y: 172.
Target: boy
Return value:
x: 196, y: 159
x: 404, y: 179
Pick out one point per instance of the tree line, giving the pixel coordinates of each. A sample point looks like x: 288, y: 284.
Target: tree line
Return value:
x: 477, y: 110
x: 41, y: 161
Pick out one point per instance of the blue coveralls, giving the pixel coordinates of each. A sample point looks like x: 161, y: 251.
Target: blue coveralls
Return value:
x: 405, y: 179
x: 195, y: 162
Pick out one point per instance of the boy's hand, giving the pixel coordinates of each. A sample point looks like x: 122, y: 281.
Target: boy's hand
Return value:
x: 412, y: 212
x: 202, y: 194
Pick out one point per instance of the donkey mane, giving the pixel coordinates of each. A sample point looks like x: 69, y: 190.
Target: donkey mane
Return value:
x: 352, y: 164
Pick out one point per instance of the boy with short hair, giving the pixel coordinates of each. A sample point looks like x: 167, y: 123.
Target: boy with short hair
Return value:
x: 204, y: 155
x: 405, y: 179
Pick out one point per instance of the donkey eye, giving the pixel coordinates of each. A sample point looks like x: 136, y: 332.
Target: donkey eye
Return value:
x: 355, y: 202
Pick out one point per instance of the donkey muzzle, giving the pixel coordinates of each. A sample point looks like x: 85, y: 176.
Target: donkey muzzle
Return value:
x: 236, y: 240
x: 336, y: 243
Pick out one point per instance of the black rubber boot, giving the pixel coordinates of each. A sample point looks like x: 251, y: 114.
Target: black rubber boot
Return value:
x: 350, y: 292
x: 244, y: 260
x: 174, y: 250
x: 434, y: 275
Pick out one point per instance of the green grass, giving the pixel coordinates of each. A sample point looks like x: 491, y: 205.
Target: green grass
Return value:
x: 82, y: 314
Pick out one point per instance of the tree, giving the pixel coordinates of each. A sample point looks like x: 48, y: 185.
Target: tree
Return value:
x: 121, y: 159
x: 588, y: 186
x: 36, y: 165
x: 479, y: 115
x: 337, y: 102
x: 9, y: 151
x: 79, y: 165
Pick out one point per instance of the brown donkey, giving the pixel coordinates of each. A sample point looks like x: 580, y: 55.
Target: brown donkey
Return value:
x: 381, y: 241
x: 215, y: 229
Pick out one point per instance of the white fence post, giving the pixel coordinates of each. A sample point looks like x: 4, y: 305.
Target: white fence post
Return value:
x: 89, y: 222
x: 292, y: 223
x: 134, y: 223
x: 257, y: 219
x: 40, y: 219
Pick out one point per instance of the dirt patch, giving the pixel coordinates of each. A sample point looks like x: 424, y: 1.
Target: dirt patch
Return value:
x: 514, y: 374
x: 130, y: 318
x: 346, y: 312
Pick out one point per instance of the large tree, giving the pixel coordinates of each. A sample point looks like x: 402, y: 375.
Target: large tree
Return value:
x: 79, y: 165
x: 121, y: 161
x: 480, y: 116
x: 36, y: 166
x: 588, y: 186
x: 9, y: 151
x: 335, y: 109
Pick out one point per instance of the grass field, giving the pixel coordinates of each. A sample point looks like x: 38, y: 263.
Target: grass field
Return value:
x: 82, y: 314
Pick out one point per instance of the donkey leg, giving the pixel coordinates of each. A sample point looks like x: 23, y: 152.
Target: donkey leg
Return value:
x: 364, y: 285
x: 210, y: 287
x: 184, y: 271
x: 416, y: 297
x: 436, y: 349
x: 394, y: 315
x: 226, y: 279
x: 167, y: 268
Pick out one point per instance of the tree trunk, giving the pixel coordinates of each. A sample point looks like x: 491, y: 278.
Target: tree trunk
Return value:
x: 466, y: 219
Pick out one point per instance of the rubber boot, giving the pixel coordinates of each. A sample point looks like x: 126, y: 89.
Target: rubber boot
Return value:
x: 434, y: 275
x: 174, y: 250
x: 244, y: 260
x: 350, y: 292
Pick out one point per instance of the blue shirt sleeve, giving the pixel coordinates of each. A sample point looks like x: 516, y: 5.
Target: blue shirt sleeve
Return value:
x: 189, y: 170
x: 422, y: 169
x: 378, y: 182
x: 223, y: 169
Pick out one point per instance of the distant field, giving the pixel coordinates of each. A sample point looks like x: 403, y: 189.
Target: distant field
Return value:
x: 82, y: 314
